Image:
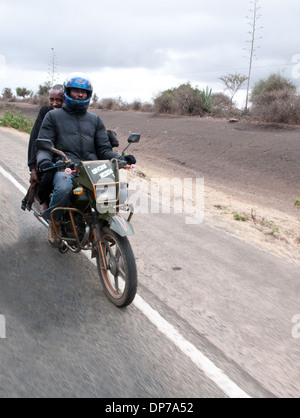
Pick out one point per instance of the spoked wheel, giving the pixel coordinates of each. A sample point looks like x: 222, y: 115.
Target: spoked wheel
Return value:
x: 119, y: 281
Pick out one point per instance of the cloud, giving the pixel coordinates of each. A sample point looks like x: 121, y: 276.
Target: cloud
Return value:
x: 169, y: 40
x: 127, y: 34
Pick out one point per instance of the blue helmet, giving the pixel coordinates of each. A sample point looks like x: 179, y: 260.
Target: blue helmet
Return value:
x: 78, y: 81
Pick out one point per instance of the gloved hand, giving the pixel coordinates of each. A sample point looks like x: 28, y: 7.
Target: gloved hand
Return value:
x: 112, y: 136
x: 130, y: 159
x: 45, y: 164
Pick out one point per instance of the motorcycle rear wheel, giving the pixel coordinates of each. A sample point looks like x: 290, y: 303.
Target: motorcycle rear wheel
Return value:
x: 119, y: 280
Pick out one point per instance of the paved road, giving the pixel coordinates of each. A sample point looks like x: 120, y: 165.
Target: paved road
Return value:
x: 211, y: 308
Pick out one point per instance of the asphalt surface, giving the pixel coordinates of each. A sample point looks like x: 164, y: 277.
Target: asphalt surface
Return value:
x: 232, y: 301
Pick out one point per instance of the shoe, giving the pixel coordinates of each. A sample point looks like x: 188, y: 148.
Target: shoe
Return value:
x: 54, y: 233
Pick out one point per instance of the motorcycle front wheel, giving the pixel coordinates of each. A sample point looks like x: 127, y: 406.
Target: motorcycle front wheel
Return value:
x: 119, y: 280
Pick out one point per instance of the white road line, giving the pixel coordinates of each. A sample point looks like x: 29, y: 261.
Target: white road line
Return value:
x: 200, y: 360
x: 231, y: 389
x: 2, y: 327
x: 13, y: 181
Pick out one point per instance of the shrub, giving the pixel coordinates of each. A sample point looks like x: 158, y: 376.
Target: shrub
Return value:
x: 164, y: 103
x: 278, y: 107
x: 240, y: 218
x: 136, y: 105
x: 112, y: 104
x: 147, y: 107
x: 221, y: 105
x: 15, y: 120
x: 43, y: 100
x: 275, y: 100
x: 183, y: 100
x: 189, y: 101
x: 274, y: 83
x: 107, y: 104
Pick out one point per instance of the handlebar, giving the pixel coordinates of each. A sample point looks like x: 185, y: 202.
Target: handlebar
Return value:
x: 60, y: 165
x: 72, y: 169
x: 125, y: 165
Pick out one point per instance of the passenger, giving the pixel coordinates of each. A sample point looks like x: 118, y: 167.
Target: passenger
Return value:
x: 45, y: 183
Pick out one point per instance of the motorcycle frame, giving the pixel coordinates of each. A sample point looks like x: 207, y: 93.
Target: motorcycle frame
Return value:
x: 75, y: 240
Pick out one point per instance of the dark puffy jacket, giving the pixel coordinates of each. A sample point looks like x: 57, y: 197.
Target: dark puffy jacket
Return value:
x: 81, y: 135
x: 34, y: 135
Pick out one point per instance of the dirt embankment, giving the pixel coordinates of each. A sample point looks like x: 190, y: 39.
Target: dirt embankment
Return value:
x: 251, y: 172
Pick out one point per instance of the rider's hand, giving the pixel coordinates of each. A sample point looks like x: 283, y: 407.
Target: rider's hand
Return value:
x: 130, y: 159
x: 122, y: 162
x: 60, y: 164
x: 33, y: 177
x: 45, y: 164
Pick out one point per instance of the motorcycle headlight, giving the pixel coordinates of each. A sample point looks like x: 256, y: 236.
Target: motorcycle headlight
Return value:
x: 106, y: 193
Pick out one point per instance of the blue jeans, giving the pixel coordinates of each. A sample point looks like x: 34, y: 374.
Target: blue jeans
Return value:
x: 61, y: 197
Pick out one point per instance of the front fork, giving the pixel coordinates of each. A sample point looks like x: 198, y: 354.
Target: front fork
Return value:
x: 98, y: 244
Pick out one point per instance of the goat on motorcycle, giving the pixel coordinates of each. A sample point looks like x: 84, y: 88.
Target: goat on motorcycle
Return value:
x: 81, y: 135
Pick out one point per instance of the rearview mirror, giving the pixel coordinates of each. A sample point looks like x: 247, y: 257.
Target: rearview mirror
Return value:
x: 44, y: 144
x: 134, y: 138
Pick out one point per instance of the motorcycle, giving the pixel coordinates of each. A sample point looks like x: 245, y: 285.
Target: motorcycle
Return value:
x: 94, y: 221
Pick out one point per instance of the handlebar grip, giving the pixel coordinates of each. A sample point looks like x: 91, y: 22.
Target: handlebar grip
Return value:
x: 46, y: 170
x: 127, y: 166
x: 122, y: 164
x: 59, y: 165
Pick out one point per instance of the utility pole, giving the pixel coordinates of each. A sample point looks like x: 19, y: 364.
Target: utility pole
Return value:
x: 253, y: 19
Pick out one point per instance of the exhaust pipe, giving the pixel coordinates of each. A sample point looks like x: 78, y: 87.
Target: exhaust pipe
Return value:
x: 40, y: 218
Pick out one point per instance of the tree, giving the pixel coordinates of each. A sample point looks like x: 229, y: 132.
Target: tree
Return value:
x: 22, y: 92
x: 95, y: 99
x: 253, y: 19
x: 7, y: 93
x: 45, y: 88
x: 233, y: 83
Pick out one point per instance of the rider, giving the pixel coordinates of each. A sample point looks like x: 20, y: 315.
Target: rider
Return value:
x: 45, y: 185
x: 81, y: 135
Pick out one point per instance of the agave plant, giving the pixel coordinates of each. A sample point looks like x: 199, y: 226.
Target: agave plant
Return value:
x: 207, y: 99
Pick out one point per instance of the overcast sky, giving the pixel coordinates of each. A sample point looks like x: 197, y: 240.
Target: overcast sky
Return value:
x: 137, y: 48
